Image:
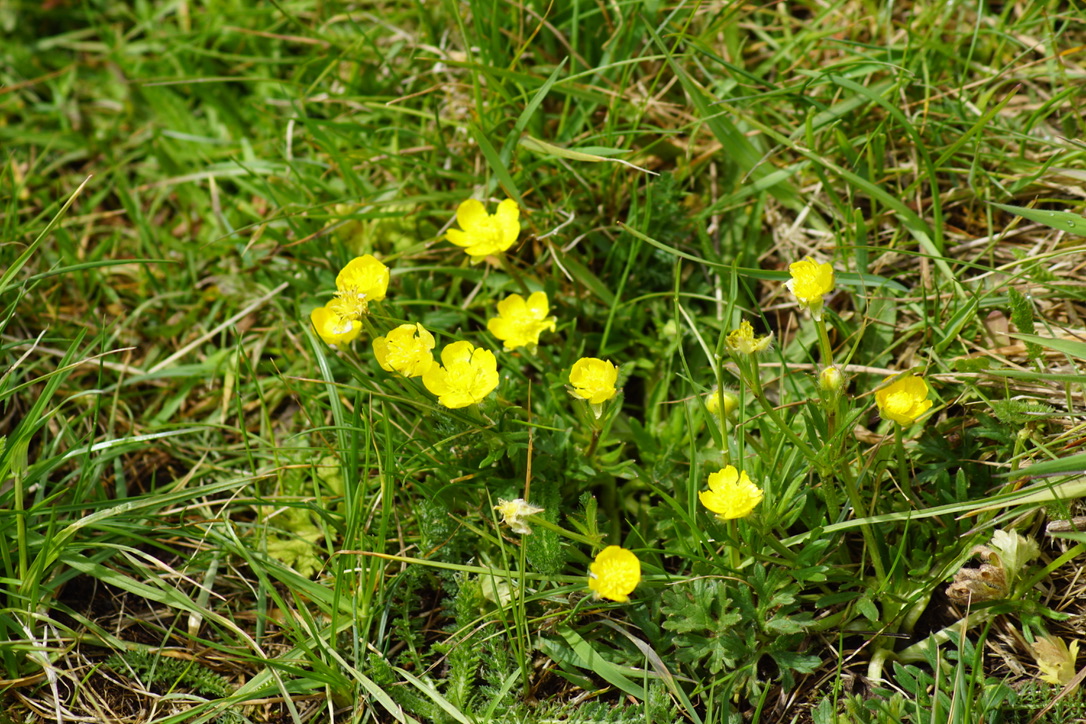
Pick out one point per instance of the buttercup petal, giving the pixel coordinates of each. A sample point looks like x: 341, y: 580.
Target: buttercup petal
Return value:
x: 457, y: 353
x: 501, y: 328
x: 364, y: 274
x: 508, y: 218
x: 481, y: 234
x: 454, y: 399
x: 467, y: 377
x: 406, y: 350
x: 593, y: 380
x: 380, y: 351
x: 742, y: 340
x: 731, y: 494
x: 520, y: 323
x: 537, y: 305
x: 903, y: 401
x: 614, y: 574
x: 810, y: 282
x: 723, y: 479
x: 512, y: 305
x: 333, y: 328
x: 425, y: 337
x: 436, y: 380
x: 458, y: 237
x: 470, y: 214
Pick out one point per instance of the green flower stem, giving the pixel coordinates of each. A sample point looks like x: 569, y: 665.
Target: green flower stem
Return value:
x: 733, y: 544
x: 844, y: 472
x: 829, y: 494
x: 520, y: 621
x: 564, y: 532
x: 609, y: 493
x: 371, y: 328
x: 725, y: 448
x: 755, y: 384
x: 610, y: 504
x: 831, y: 407
x: 831, y: 402
x: 830, y: 399
x: 824, y: 349
x: 903, y: 472
x: 592, y: 444
x: 752, y: 442
x: 721, y: 417
x: 476, y: 415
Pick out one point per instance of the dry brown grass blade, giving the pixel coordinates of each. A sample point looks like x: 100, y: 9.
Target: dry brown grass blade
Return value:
x: 22, y: 681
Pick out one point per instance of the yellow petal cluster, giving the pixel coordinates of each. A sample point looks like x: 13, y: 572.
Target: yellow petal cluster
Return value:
x: 363, y: 280
x: 520, y: 322
x: 743, y: 340
x: 904, y: 401
x: 593, y: 380
x: 465, y: 376
x: 731, y: 494
x: 810, y: 282
x: 406, y: 350
x: 333, y: 328
x: 614, y: 574
x: 515, y: 511
x: 482, y: 234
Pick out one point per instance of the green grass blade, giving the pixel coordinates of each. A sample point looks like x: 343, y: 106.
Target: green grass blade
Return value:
x: 1059, y: 220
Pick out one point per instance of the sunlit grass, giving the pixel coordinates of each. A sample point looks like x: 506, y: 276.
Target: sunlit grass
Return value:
x: 219, y: 505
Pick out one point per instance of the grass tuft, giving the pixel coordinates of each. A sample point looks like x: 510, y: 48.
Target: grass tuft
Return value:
x: 210, y: 513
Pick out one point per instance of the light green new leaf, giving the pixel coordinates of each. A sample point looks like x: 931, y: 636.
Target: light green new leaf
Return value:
x: 1069, y: 347
x: 590, y: 154
x: 1060, y: 220
x: 1070, y: 465
x: 591, y: 659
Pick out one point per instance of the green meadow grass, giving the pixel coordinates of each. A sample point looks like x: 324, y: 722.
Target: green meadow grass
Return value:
x: 209, y: 514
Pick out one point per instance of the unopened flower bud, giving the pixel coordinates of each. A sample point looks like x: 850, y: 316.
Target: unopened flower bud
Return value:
x: 831, y: 381
x: 716, y: 397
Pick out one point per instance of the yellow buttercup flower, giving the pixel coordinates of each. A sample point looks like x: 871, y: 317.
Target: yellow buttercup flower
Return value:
x: 614, y: 574
x: 743, y: 341
x: 903, y: 401
x: 465, y: 376
x: 515, y: 511
x: 810, y: 282
x: 363, y: 280
x: 731, y: 494
x: 520, y: 321
x: 333, y: 328
x: 1056, y: 660
x: 482, y: 234
x: 593, y: 380
x: 405, y: 350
